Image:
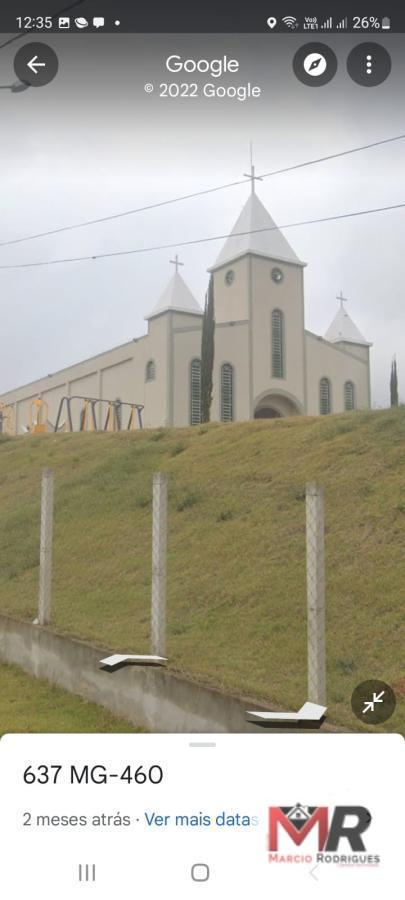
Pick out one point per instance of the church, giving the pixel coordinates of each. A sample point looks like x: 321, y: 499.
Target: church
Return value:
x: 266, y: 363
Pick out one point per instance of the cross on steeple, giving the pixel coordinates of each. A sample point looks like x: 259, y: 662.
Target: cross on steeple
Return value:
x: 252, y: 175
x: 342, y: 299
x: 176, y: 263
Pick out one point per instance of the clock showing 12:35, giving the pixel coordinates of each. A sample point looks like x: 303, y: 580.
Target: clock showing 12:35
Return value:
x: 31, y: 22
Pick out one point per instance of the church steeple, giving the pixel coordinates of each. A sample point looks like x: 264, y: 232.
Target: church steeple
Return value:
x: 177, y: 296
x: 343, y: 328
x: 255, y: 232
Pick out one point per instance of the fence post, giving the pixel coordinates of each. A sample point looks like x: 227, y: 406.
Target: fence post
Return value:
x: 45, y: 558
x: 159, y: 550
x: 316, y: 594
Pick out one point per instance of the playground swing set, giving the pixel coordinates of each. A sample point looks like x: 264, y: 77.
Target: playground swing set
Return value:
x: 91, y: 416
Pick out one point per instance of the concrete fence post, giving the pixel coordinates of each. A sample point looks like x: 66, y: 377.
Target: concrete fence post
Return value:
x: 159, y: 553
x: 45, y: 558
x: 316, y: 594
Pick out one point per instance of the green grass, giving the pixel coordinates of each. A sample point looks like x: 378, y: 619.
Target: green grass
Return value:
x: 236, y: 549
x: 30, y: 705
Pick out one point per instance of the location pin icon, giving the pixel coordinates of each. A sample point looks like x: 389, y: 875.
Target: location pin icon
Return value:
x: 272, y: 22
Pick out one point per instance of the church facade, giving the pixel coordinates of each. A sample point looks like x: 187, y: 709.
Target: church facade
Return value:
x: 266, y: 363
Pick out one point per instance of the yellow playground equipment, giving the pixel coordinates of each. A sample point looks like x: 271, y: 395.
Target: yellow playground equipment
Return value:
x: 38, y: 422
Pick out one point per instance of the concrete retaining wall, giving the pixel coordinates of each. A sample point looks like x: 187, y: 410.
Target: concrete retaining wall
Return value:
x: 153, y: 698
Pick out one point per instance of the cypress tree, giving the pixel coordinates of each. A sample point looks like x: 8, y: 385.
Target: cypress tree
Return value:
x: 394, y: 383
x: 207, y: 352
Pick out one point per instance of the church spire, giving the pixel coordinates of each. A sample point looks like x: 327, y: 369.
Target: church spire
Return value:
x: 343, y: 328
x: 255, y: 232
x: 177, y: 297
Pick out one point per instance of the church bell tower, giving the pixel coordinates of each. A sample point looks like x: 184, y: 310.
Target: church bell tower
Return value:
x: 258, y: 280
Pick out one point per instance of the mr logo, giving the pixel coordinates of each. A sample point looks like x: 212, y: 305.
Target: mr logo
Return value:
x: 299, y: 820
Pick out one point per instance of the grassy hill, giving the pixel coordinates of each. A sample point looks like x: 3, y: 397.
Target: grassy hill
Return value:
x: 236, y: 552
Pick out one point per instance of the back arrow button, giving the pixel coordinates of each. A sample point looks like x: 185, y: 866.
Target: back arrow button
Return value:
x: 36, y: 64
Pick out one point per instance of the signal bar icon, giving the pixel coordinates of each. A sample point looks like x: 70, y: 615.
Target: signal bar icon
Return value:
x: 328, y: 24
x: 343, y: 24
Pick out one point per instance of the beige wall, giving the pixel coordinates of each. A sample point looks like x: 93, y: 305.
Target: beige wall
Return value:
x: 360, y: 350
x: 326, y: 360
x: 186, y: 347
x: 251, y: 298
x: 155, y: 392
x: 242, y: 338
x: 232, y: 346
x: 232, y: 301
x: 288, y: 296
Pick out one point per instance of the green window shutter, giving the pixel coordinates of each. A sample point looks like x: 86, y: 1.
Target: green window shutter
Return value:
x: 195, y: 392
x: 150, y: 373
x: 277, y: 343
x: 324, y: 397
x: 226, y: 393
x: 349, y: 395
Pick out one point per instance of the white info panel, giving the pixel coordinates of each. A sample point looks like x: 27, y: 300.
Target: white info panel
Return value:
x: 184, y: 816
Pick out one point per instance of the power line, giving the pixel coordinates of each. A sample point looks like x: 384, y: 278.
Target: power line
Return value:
x: 120, y: 215
x: 218, y: 237
x: 398, y: 137
x: 131, y: 212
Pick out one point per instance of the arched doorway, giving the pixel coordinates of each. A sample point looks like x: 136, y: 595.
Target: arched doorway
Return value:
x: 276, y: 406
x: 267, y: 412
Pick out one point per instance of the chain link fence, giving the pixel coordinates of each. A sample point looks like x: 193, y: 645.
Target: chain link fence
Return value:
x: 315, y: 542
x: 179, y: 571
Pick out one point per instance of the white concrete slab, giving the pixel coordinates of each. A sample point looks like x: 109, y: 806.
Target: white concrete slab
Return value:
x: 121, y: 659
x: 309, y: 712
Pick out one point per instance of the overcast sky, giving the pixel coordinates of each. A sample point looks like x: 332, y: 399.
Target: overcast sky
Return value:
x: 93, y: 143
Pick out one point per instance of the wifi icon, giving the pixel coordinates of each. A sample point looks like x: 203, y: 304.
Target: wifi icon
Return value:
x: 290, y: 21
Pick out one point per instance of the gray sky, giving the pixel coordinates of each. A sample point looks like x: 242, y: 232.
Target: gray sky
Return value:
x: 93, y: 143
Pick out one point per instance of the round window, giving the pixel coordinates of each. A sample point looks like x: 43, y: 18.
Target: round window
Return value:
x: 277, y: 276
x: 230, y: 277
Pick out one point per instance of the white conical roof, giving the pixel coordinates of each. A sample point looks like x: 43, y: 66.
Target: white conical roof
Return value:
x: 344, y: 329
x: 256, y: 232
x: 177, y: 297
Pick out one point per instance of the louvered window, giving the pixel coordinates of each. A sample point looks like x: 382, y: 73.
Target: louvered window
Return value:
x: 226, y: 393
x: 118, y: 413
x: 324, y: 397
x: 277, y: 343
x: 349, y: 395
x: 195, y: 392
x: 150, y: 373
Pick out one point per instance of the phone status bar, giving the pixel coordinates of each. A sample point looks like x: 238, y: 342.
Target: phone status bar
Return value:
x: 275, y: 18
x: 284, y: 25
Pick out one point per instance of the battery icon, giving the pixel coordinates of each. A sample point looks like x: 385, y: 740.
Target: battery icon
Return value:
x: 386, y: 23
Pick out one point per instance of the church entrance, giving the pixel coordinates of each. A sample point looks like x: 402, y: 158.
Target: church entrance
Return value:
x: 276, y: 406
x: 267, y: 412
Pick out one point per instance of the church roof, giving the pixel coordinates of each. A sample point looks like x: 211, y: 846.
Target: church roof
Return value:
x: 256, y: 232
x: 343, y: 329
x: 177, y: 297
